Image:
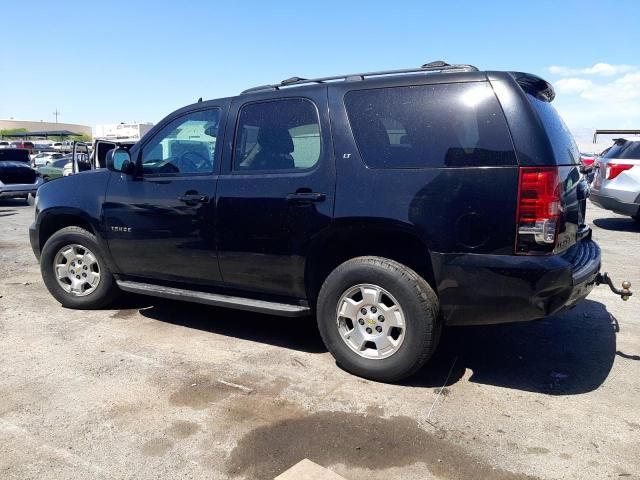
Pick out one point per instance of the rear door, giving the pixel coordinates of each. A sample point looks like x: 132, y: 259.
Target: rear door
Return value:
x: 276, y: 191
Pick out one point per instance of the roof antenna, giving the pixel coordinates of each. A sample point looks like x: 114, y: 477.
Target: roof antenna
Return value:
x: 200, y: 100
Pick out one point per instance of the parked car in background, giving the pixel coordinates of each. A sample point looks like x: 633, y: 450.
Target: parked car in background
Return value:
x: 45, y: 158
x: 616, y: 185
x: 17, y: 178
x: 587, y: 161
x: 4, y: 144
x: 20, y: 144
x: 54, y: 169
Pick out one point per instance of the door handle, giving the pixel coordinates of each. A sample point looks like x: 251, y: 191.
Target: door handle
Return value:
x: 306, y: 197
x: 193, y: 198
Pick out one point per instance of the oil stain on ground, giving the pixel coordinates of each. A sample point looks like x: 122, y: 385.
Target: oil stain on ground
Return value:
x: 358, y: 441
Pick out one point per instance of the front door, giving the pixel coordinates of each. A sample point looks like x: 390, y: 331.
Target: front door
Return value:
x: 160, y: 222
x: 275, y: 193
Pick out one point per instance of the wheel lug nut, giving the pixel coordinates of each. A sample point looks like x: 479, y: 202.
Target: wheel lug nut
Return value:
x: 381, y: 318
x: 78, y: 277
x: 374, y: 309
x: 361, y: 321
x: 369, y: 330
x: 84, y: 275
x: 84, y: 268
x: 79, y: 262
x: 363, y: 311
x: 73, y: 264
x: 378, y: 329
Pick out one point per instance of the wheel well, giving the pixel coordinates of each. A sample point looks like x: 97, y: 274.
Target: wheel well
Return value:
x: 403, y: 247
x: 52, y: 224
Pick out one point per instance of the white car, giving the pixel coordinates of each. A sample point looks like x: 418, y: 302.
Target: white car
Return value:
x: 616, y: 185
x: 45, y: 158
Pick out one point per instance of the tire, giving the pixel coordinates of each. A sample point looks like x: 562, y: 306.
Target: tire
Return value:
x: 45, y: 178
x: 79, y: 241
x: 396, y: 284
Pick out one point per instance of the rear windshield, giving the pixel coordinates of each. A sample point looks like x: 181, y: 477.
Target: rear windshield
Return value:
x: 8, y: 154
x: 564, y: 146
x: 625, y: 150
x: 444, y: 125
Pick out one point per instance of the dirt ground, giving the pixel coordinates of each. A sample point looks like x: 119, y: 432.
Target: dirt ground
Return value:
x: 161, y: 389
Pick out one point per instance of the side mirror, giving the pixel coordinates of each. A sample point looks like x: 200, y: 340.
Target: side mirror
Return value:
x: 119, y: 160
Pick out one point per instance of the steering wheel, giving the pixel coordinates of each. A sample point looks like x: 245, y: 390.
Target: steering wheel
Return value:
x: 199, y: 163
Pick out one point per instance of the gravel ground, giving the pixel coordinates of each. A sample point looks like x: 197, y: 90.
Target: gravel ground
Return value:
x: 160, y: 389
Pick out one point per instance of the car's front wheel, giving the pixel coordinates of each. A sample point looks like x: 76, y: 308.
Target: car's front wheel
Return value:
x: 74, y: 270
x: 378, y: 318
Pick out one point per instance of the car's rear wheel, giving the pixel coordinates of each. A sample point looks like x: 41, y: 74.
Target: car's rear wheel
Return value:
x: 74, y: 270
x: 378, y: 318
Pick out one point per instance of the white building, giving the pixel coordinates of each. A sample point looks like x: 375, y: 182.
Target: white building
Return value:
x: 122, y: 131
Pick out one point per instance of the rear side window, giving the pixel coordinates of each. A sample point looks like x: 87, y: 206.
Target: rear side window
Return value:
x: 277, y: 135
x: 564, y: 146
x: 14, y: 155
x: 624, y: 150
x: 445, y: 125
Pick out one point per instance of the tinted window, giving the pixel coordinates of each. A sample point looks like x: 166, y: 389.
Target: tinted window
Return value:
x: 60, y: 163
x: 277, y: 135
x: 14, y: 155
x: 624, y: 150
x: 452, y: 125
x: 564, y: 146
x: 184, y: 146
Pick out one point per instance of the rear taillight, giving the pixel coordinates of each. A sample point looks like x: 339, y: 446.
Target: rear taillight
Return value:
x: 587, y: 161
x: 615, y: 169
x: 539, y: 208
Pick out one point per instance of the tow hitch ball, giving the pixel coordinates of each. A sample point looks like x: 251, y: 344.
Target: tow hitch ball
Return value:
x: 624, y: 293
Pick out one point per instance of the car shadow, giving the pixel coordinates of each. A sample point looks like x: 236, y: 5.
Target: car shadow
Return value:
x: 567, y: 354
x: 13, y: 202
x: 618, y: 224
x: 292, y: 333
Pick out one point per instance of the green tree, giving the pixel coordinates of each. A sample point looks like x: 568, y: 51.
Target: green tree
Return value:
x: 12, y: 131
x: 81, y: 138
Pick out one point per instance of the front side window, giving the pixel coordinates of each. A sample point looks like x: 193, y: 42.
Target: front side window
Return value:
x: 186, y: 145
x: 277, y: 135
x: 444, y: 125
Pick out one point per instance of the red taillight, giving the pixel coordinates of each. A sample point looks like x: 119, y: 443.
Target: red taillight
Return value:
x: 615, y: 169
x: 587, y: 161
x: 538, y: 211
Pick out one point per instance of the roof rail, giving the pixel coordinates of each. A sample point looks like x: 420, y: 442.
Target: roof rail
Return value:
x: 437, y: 66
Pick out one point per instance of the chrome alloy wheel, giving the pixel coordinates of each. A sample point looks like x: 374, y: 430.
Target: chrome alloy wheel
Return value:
x: 77, y: 270
x: 370, y: 321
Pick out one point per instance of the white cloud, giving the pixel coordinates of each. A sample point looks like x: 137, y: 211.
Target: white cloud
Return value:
x: 603, y: 69
x: 601, y: 96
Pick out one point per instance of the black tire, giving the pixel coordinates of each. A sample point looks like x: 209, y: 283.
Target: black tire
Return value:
x: 417, y: 300
x: 106, y: 291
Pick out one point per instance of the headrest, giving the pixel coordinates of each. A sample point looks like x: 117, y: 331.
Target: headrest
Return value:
x: 275, y: 140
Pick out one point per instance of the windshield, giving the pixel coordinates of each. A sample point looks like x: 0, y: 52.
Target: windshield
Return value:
x: 625, y: 150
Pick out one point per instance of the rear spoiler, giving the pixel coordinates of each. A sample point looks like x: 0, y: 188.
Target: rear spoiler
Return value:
x: 534, y: 85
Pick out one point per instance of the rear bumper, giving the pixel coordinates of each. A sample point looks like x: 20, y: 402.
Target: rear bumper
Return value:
x: 488, y: 289
x: 615, y: 205
x: 13, y: 190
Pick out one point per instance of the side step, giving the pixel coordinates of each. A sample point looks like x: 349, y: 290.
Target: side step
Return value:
x: 215, y: 299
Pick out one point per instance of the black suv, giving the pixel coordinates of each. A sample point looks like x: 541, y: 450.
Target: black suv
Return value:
x: 387, y: 203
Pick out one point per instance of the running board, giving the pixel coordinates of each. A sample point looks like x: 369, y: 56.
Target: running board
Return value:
x: 215, y: 299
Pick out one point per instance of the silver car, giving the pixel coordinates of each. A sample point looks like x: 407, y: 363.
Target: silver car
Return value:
x: 616, y: 185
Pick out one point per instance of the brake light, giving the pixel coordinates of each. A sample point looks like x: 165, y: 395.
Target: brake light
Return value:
x: 615, y: 169
x: 587, y: 161
x: 539, y: 209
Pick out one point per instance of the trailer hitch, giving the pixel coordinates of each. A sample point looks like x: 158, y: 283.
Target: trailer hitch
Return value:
x: 624, y: 292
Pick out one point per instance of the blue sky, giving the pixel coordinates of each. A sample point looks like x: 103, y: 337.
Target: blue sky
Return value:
x: 102, y: 62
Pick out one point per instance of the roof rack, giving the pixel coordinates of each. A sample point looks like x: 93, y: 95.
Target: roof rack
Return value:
x: 437, y: 66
